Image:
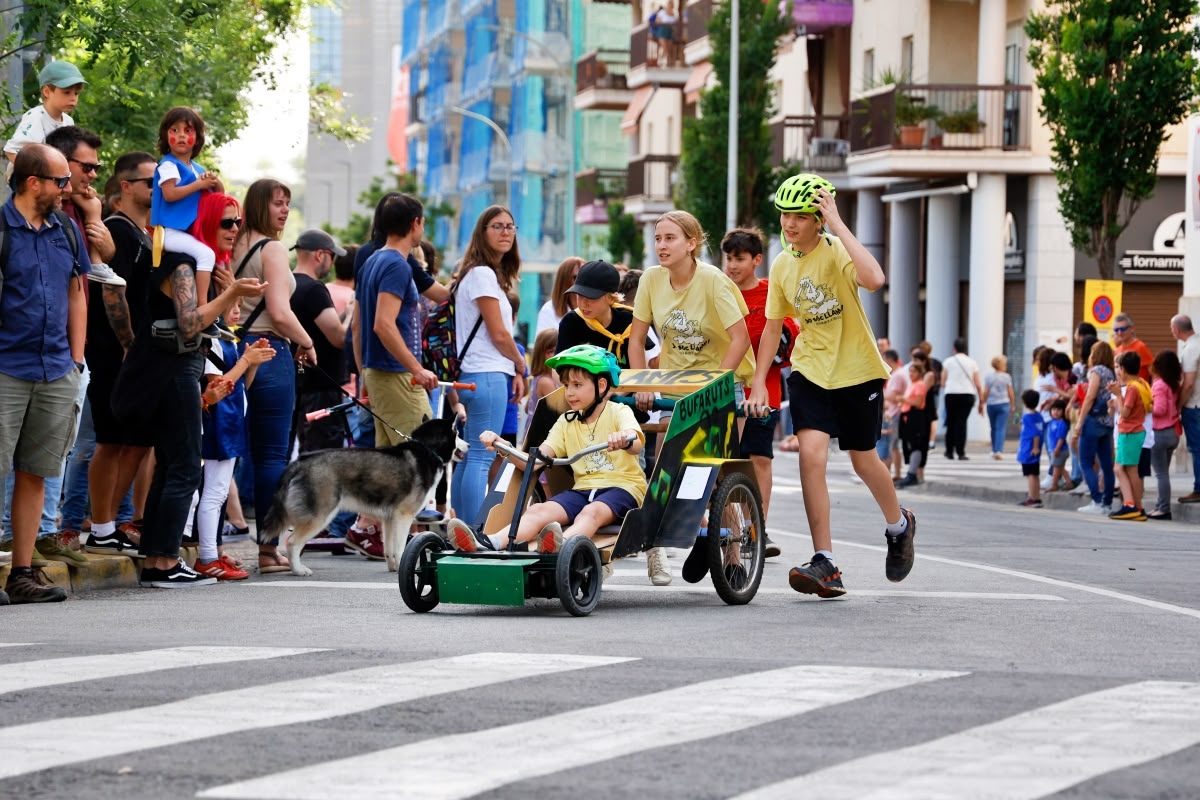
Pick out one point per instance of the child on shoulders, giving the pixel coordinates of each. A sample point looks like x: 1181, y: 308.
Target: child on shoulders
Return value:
x: 61, y: 84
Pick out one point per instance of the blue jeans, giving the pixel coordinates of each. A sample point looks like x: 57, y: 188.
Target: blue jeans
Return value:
x: 485, y: 412
x: 998, y: 419
x: 74, y: 506
x: 1096, y: 442
x: 1191, y: 429
x: 271, y: 401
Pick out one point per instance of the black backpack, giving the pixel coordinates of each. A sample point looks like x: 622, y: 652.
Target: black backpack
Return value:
x: 6, y: 243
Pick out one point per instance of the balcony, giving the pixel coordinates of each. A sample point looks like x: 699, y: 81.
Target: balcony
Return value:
x: 600, y: 81
x: 594, y: 188
x: 910, y: 129
x: 818, y: 16
x: 648, y: 188
x: 695, y: 32
x: 816, y: 143
x: 650, y: 62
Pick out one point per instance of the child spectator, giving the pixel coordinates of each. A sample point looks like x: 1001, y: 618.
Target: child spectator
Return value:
x: 1056, y: 446
x: 1029, y: 451
x: 1130, y: 402
x: 544, y: 379
x: 607, y: 484
x: 178, y: 184
x: 61, y: 84
x: 1168, y: 378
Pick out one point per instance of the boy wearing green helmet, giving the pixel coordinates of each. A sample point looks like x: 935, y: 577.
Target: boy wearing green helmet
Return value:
x: 836, y: 385
x: 608, y: 484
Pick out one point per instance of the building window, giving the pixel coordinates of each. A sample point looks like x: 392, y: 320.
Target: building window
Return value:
x: 868, y: 68
x: 906, y: 58
x: 325, y: 51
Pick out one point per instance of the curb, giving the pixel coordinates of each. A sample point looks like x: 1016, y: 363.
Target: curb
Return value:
x: 102, y: 572
x: 1187, y: 513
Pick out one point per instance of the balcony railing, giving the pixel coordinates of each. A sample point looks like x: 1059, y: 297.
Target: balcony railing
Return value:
x: 645, y: 50
x: 652, y: 177
x: 601, y: 69
x: 817, y: 143
x: 946, y: 117
x: 695, y: 20
x: 599, y: 185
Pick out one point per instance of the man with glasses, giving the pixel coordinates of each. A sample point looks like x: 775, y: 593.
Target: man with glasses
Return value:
x: 1124, y: 339
x: 82, y: 203
x: 43, y: 316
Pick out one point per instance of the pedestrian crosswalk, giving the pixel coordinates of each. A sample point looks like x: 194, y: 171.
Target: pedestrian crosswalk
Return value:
x: 531, y: 728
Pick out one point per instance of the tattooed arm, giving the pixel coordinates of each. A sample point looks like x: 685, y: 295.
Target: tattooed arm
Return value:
x: 116, y: 308
x: 192, y: 318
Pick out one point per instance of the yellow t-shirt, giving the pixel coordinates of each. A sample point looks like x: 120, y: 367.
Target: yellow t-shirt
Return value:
x: 836, y: 348
x: 693, y: 322
x: 607, y: 469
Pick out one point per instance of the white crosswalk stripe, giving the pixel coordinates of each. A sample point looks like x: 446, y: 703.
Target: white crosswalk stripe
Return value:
x: 434, y: 768
x: 55, y: 671
x: 17, y: 644
x: 39, y: 745
x: 1024, y: 757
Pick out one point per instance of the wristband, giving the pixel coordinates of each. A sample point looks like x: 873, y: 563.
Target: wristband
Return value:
x: 79, y: 366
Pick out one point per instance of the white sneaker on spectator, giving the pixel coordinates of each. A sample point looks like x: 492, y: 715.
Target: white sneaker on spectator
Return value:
x: 1094, y: 508
x: 103, y: 274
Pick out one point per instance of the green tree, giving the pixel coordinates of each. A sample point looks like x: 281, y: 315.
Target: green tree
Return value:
x: 1113, y: 75
x: 140, y: 58
x: 705, y: 138
x: 624, y: 237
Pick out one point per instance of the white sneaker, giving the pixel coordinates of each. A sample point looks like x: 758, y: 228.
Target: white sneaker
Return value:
x: 1094, y: 508
x: 656, y: 566
x: 1045, y: 483
x: 103, y: 274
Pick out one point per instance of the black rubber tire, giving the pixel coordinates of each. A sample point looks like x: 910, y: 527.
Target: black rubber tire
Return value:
x: 418, y: 575
x: 578, y: 575
x: 736, y: 506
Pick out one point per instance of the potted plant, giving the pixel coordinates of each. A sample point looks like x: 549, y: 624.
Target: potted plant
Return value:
x: 911, y: 115
x: 961, y: 128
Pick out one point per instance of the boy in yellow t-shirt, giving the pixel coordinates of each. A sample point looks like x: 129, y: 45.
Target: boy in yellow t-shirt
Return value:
x: 608, y: 484
x: 837, y: 380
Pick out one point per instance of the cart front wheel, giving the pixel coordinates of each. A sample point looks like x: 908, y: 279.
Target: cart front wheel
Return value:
x: 578, y: 576
x: 418, y: 573
x: 736, y: 556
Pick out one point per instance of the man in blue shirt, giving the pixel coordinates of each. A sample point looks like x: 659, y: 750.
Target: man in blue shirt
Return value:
x: 43, y: 323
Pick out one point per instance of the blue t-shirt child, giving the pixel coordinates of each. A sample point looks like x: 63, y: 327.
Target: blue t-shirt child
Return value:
x: 1033, y: 427
x: 1056, y: 432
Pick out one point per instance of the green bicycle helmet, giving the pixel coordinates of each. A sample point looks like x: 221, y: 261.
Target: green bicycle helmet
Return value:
x: 798, y: 194
x: 589, y: 358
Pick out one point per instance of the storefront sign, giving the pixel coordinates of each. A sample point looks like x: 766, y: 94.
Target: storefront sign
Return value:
x: 1166, y: 258
x: 1014, y: 256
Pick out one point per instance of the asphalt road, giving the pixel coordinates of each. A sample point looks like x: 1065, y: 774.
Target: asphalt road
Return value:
x: 1030, y: 654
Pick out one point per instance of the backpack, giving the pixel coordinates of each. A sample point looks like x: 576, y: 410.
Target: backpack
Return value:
x: 440, y: 353
x: 6, y: 243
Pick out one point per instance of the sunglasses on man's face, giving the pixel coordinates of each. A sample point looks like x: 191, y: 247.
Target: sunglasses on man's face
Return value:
x: 148, y: 181
x: 1120, y: 329
x: 59, y: 182
x: 85, y: 166
x: 229, y: 223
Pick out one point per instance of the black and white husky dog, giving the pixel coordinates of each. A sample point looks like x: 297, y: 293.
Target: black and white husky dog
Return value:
x: 391, y: 483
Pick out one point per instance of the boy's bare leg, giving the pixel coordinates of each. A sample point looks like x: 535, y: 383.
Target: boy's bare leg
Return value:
x: 877, y: 478
x: 592, y: 518
x: 814, y: 461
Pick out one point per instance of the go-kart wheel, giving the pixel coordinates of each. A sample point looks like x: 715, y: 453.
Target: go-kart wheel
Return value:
x: 418, y: 574
x: 577, y: 576
x: 736, y: 556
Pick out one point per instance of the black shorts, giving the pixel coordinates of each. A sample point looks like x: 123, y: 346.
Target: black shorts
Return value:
x: 758, y: 436
x: 1144, y: 463
x: 109, y: 429
x: 853, y: 415
x: 1034, y: 469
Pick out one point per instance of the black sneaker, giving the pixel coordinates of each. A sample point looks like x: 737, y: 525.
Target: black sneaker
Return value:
x: 179, y: 576
x: 907, y: 481
x: 3, y: 598
x: 32, y: 587
x: 115, y: 542
x: 899, y: 561
x: 772, y: 548
x: 819, y: 577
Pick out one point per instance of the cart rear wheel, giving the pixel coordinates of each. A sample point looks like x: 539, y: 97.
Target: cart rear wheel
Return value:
x: 578, y: 576
x: 736, y: 555
x: 418, y: 573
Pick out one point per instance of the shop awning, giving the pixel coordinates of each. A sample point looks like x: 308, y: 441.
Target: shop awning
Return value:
x: 697, y: 81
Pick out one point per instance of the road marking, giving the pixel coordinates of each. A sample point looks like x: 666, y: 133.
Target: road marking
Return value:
x: 38, y: 745
x: 1027, y: 756
x: 17, y: 644
x: 1029, y: 576
x: 437, y: 768
x: 699, y: 588
x: 55, y: 671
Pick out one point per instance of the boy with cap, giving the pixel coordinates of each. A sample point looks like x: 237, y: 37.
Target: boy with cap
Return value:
x: 599, y: 317
x: 61, y: 84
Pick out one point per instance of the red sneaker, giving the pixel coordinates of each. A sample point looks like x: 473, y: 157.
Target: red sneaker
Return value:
x: 220, y: 569
x: 369, y: 543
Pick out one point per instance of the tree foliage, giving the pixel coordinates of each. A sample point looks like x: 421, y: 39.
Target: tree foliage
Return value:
x: 624, y: 237
x: 704, y: 157
x: 1113, y: 75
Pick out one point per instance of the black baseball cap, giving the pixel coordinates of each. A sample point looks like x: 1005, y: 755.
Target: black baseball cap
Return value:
x: 596, y: 279
x: 315, y: 239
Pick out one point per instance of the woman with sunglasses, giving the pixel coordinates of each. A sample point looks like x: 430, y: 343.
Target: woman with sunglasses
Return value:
x: 271, y: 399
x: 488, y: 352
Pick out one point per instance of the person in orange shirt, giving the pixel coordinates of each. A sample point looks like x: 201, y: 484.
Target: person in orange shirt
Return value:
x: 1125, y: 340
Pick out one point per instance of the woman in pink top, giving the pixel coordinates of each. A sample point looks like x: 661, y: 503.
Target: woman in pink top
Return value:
x: 1168, y: 375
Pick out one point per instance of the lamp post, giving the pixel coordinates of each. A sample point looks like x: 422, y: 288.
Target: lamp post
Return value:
x: 732, y: 161
x: 491, y: 123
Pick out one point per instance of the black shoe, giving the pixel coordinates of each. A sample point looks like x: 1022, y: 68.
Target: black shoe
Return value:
x: 906, y: 481
x: 115, y: 542
x: 179, y: 576
x: 1160, y: 515
x: 950, y: 456
x: 3, y: 598
x: 31, y: 586
x: 963, y: 457
x: 819, y: 577
x: 899, y: 561
x: 772, y: 549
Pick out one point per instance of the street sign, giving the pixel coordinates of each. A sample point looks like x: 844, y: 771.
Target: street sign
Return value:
x: 1101, y: 302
